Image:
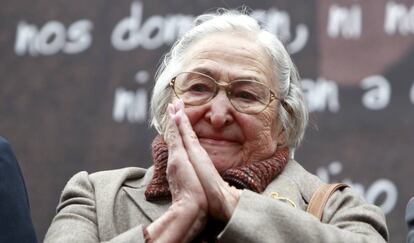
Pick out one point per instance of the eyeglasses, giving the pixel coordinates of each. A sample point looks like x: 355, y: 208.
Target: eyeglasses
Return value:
x: 246, y: 96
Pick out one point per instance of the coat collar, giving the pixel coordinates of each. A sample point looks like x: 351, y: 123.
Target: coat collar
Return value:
x: 136, y: 191
x: 285, y: 185
x: 152, y: 210
x: 294, y: 185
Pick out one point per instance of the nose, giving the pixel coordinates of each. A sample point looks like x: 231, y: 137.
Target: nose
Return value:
x: 220, y: 113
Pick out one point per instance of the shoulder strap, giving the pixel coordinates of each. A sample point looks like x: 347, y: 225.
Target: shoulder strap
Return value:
x: 320, y: 197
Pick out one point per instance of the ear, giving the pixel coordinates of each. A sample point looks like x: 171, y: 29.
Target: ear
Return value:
x: 281, y: 136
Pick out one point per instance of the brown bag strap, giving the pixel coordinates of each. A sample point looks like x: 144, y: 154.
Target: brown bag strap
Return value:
x: 320, y: 197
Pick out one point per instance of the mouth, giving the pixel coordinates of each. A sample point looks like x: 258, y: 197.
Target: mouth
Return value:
x: 217, y: 141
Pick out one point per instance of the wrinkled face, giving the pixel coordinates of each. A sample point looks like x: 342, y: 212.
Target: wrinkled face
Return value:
x: 232, y: 138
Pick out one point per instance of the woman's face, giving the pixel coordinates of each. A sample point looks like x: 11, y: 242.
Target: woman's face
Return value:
x: 232, y: 138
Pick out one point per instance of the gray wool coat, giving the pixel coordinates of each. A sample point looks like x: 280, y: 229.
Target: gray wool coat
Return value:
x: 110, y: 206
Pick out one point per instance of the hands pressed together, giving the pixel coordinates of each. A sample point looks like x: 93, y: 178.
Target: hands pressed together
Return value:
x: 198, y: 191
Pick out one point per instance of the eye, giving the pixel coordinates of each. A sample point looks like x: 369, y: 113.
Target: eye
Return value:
x: 249, y: 92
x: 199, y: 88
x: 245, y: 95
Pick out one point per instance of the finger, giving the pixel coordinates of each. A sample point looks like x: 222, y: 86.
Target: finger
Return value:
x: 222, y: 199
x: 180, y: 172
x: 187, y: 133
x: 197, y: 154
x: 173, y: 137
x: 170, y: 134
x: 198, y: 157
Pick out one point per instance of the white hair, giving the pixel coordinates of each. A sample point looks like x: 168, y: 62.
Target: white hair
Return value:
x: 293, y: 116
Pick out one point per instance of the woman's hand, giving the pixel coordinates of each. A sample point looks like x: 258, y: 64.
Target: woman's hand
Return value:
x: 184, y: 184
x: 222, y: 198
x: 196, y: 187
x: 188, y: 213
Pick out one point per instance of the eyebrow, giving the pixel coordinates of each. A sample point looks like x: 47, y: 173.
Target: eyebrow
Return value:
x: 205, y: 71
x: 213, y: 74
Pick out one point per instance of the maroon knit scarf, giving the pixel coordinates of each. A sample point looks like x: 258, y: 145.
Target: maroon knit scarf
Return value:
x: 253, y: 176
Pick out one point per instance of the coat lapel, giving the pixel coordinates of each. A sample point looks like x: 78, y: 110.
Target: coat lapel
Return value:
x: 283, y: 185
x: 135, y: 191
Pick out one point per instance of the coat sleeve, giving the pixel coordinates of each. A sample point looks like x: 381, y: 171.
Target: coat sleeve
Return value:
x: 347, y: 218
x: 76, y: 219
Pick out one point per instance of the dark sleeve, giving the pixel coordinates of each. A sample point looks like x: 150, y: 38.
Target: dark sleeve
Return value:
x: 409, y: 218
x: 16, y: 223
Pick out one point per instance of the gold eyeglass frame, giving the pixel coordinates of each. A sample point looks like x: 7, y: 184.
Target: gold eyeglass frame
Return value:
x: 225, y: 86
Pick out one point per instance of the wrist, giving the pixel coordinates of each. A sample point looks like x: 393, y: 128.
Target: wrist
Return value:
x: 147, y: 236
x: 181, y: 223
x: 230, y: 204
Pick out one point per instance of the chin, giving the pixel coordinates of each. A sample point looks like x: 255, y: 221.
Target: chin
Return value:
x: 222, y: 163
x: 223, y: 157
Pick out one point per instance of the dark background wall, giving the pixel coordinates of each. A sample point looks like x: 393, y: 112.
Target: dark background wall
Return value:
x: 76, y: 78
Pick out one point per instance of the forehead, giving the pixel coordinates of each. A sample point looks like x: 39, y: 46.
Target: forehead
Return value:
x: 229, y: 56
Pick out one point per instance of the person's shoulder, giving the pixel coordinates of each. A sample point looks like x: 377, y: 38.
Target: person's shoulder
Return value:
x: 107, y: 180
x: 3, y: 141
x: 410, y: 213
x: 4, y: 145
x: 300, y: 175
x: 306, y: 182
x: 114, y: 176
x: 127, y: 172
x: 8, y: 160
x: 409, y: 219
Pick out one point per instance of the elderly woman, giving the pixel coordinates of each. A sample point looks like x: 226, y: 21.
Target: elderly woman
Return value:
x: 229, y: 109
